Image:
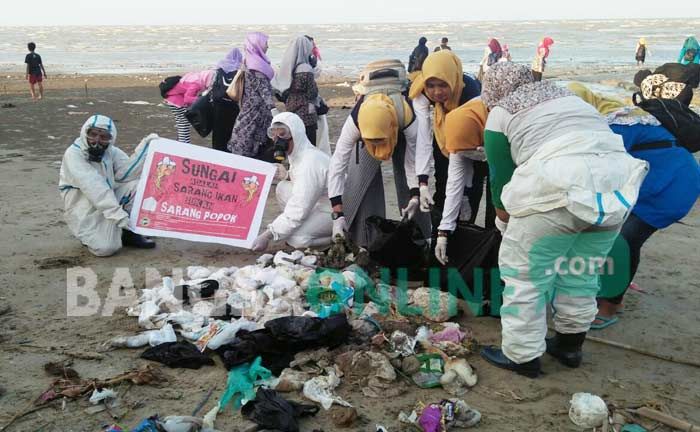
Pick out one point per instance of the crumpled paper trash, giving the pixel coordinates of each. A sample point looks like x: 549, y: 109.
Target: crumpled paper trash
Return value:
x: 444, y: 308
x: 320, y: 389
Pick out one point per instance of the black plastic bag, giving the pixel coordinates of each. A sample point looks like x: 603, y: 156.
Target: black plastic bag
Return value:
x: 269, y: 410
x: 469, y: 248
x: 282, y: 338
x: 177, y: 355
x: 201, y: 115
x: 396, y: 244
x: 678, y: 118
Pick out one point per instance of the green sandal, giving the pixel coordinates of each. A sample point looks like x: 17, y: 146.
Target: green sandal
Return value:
x: 605, y: 322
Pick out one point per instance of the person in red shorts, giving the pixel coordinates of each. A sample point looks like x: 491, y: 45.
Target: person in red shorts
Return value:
x: 35, y: 71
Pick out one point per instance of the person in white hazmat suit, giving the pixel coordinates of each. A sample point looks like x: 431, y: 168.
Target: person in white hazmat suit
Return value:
x: 97, y: 182
x: 563, y: 185
x: 306, y: 219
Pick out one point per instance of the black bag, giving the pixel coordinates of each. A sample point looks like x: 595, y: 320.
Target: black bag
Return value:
x: 201, y: 115
x: 396, y: 244
x: 269, y: 410
x: 222, y: 81
x: 679, y: 119
x: 322, y: 108
x: 167, y: 84
x: 469, y: 248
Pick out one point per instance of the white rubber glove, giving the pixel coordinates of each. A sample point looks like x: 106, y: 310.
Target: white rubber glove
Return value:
x: 412, y: 208
x: 150, y: 137
x: 339, y: 227
x: 261, y: 243
x: 426, y: 199
x: 501, y: 225
x: 441, y: 250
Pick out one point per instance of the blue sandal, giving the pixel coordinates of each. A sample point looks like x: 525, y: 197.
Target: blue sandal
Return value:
x: 605, y: 322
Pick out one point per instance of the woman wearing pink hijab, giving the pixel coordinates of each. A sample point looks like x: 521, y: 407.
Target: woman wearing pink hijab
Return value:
x: 249, y: 136
x: 540, y: 60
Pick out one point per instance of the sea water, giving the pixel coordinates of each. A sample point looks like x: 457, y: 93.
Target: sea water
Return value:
x: 345, y: 48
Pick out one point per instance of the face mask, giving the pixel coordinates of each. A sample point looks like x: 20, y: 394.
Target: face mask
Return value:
x: 281, y: 147
x: 96, y: 151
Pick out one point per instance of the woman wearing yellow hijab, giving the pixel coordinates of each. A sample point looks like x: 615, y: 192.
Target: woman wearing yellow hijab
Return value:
x: 386, y: 132
x: 443, y: 84
x: 464, y: 141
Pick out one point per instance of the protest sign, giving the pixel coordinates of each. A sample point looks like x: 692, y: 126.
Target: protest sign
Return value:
x: 195, y: 193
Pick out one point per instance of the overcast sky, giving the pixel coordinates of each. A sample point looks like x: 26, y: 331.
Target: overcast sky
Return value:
x: 139, y: 12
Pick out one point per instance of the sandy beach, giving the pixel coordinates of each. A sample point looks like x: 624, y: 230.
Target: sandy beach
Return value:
x: 37, y: 249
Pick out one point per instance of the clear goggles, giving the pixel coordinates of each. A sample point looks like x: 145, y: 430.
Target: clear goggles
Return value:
x: 279, y: 130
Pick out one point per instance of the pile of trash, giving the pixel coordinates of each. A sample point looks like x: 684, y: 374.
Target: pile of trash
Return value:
x: 286, y: 325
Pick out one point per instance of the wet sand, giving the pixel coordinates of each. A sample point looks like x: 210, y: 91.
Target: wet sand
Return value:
x: 38, y: 249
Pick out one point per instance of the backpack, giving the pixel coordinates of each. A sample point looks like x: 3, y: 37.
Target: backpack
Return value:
x: 388, y: 77
x: 678, y: 118
x: 167, y: 84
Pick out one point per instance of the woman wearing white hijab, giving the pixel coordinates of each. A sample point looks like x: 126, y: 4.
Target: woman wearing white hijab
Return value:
x: 295, y: 83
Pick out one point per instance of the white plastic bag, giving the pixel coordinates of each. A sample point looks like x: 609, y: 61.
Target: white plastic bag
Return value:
x: 320, y: 389
x: 587, y: 410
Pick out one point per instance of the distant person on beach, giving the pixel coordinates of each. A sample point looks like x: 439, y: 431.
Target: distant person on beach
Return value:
x: 667, y: 194
x: 415, y: 61
x: 443, y: 45
x: 540, y: 61
x: 183, y: 95
x: 295, y: 83
x: 249, y: 137
x: 225, y: 109
x: 690, y: 53
x: 640, y: 53
x: 492, y: 55
x: 306, y: 216
x: 562, y: 185
x: 443, y: 85
x: 97, y: 182
x: 669, y: 81
x: 35, y: 71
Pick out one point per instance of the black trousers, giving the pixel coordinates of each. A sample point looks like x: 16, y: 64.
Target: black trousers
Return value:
x: 474, y: 193
x: 224, y: 116
x: 635, y: 232
x: 311, y: 134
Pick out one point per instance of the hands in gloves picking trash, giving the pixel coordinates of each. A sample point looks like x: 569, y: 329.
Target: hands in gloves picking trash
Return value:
x: 412, y: 208
x: 339, y: 227
x: 426, y: 200
x: 261, y: 243
x: 441, y: 250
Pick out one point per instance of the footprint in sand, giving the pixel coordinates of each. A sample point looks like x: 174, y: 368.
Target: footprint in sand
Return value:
x: 58, y: 262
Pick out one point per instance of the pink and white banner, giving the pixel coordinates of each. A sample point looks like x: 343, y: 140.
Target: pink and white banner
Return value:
x: 199, y: 194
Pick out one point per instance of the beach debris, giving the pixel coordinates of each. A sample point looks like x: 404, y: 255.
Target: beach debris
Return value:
x: 9, y: 105
x: 458, y: 376
x: 343, y: 417
x: 441, y: 309
x: 71, y: 106
x: 151, y: 337
x: 60, y: 369
x: 320, y: 389
x: 432, y: 368
x: 588, y: 410
x: 372, y: 371
x: 72, y: 388
x: 180, y: 424
x: 291, y: 380
x: 242, y: 383
x: 102, y: 396
x: 269, y: 410
x: 666, y: 419
x: 401, y: 343
x: 444, y: 416
x: 177, y: 355
x: 138, y: 102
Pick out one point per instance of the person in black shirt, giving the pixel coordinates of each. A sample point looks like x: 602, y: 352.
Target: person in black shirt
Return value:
x: 35, y: 71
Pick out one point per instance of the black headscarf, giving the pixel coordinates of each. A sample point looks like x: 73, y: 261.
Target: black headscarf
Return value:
x: 420, y: 52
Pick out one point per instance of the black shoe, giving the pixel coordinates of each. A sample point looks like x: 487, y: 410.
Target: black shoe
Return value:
x: 567, y: 348
x: 136, y: 240
x: 496, y: 357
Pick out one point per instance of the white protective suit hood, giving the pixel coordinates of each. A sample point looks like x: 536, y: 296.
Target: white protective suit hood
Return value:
x: 305, y: 220
x: 298, y: 130
x: 96, y: 121
x: 296, y: 59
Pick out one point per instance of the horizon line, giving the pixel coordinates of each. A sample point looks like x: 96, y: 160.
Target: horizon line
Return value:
x: 426, y: 21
